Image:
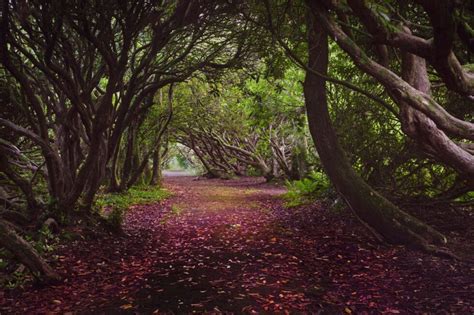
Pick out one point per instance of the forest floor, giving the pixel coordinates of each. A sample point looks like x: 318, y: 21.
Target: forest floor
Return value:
x: 231, y: 246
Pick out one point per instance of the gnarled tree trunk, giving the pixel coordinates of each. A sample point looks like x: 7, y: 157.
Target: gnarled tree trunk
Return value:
x: 380, y: 215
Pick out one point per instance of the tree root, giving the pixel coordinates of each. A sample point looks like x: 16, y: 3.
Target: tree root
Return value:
x: 439, y: 251
x: 26, y: 254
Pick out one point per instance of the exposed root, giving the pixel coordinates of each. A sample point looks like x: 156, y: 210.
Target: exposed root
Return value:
x: 439, y: 251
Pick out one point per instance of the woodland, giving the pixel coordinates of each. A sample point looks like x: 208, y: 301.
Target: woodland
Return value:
x: 271, y: 156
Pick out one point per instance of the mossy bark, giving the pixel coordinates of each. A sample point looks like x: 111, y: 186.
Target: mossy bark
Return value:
x: 379, y: 214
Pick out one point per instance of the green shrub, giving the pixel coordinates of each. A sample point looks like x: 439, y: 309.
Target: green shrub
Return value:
x: 307, y: 190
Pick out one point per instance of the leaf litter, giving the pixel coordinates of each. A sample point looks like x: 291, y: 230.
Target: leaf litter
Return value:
x: 234, y: 247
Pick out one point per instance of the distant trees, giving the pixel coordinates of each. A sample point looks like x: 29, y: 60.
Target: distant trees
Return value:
x: 143, y: 140
x: 220, y: 135
x: 246, y: 126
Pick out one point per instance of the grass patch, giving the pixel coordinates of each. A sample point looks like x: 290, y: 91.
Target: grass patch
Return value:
x: 114, y: 205
x: 134, y: 196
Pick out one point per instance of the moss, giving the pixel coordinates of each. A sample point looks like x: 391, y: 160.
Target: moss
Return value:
x: 469, y: 67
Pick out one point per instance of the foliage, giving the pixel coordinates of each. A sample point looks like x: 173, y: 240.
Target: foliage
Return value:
x: 246, y: 123
x: 308, y: 189
x: 12, y: 273
x: 176, y: 209
x: 375, y: 143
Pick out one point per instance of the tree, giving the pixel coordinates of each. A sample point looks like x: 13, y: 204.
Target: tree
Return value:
x: 380, y: 215
x: 423, y: 118
x: 89, y: 74
x: 145, y: 139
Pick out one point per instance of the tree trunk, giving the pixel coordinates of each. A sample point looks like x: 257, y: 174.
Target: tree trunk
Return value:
x: 128, y: 160
x: 113, y: 182
x: 380, y: 215
x: 94, y: 182
x: 22, y: 183
x: 156, y: 168
x: 26, y: 254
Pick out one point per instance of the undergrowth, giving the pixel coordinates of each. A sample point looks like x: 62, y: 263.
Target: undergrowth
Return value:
x: 111, y: 206
x: 308, y: 190
x: 114, y: 205
x: 14, y: 274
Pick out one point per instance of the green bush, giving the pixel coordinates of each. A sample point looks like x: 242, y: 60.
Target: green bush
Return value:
x: 307, y: 190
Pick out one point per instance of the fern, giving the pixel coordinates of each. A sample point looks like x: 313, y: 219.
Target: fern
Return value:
x: 307, y: 190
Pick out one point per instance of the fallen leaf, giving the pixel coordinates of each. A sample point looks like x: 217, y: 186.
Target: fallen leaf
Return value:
x: 126, y: 306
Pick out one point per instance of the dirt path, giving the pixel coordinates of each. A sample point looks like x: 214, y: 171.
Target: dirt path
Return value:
x: 230, y: 246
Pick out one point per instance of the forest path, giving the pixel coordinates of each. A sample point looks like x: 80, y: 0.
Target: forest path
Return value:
x: 223, y: 252
x: 231, y: 246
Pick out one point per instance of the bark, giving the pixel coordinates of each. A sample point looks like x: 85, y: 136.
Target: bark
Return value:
x: 95, y: 179
x: 22, y: 183
x: 113, y: 182
x: 421, y: 128
x: 439, y: 50
x: 380, y: 215
x: 26, y: 254
x: 394, y: 83
x: 156, y: 168
x: 15, y: 217
x: 128, y: 161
